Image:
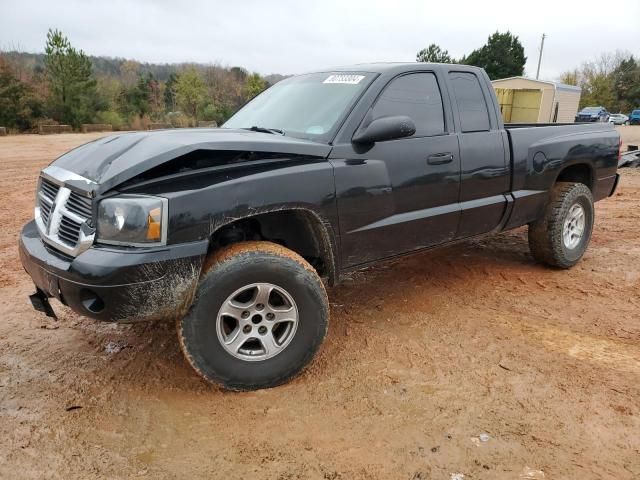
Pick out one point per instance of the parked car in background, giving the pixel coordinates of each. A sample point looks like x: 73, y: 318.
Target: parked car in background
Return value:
x: 593, y: 114
x: 618, y: 119
x: 634, y: 119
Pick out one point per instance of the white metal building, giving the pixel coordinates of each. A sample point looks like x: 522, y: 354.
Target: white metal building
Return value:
x: 536, y: 101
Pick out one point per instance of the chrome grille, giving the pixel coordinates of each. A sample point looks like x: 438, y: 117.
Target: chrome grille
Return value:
x: 61, y: 214
x: 48, y: 189
x: 69, y: 231
x: 79, y: 205
x: 46, y: 197
x: 45, y: 211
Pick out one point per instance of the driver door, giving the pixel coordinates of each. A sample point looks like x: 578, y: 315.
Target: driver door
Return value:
x: 399, y: 195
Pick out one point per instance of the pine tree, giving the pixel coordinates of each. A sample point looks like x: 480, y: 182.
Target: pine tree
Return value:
x: 501, y: 57
x: 69, y: 73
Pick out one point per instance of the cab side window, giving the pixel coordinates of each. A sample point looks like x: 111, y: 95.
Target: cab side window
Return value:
x: 417, y: 96
x: 472, y: 106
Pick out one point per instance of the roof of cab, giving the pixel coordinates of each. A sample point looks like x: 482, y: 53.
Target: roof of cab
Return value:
x: 394, y: 67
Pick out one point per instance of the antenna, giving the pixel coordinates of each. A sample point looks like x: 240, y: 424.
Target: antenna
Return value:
x: 540, y: 57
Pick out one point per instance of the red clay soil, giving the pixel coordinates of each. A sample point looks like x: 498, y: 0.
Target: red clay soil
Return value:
x: 423, y: 355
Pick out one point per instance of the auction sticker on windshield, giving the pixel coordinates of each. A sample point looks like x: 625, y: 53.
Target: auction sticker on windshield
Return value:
x: 348, y: 79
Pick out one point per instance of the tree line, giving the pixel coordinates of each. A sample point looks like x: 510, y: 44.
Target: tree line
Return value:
x: 611, y: 80
x: 65, y: 86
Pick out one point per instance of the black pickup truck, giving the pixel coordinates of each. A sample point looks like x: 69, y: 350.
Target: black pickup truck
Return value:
x: 230, y: 231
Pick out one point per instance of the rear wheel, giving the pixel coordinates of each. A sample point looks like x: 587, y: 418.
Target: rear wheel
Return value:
x: 562, y: 235
x: 260, y: 314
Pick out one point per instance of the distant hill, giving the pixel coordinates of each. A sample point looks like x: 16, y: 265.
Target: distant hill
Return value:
x: 109, y: 66
x: 126, y: 94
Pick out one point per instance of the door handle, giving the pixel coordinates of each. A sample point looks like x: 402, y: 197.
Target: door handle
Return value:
x: 439, y: 158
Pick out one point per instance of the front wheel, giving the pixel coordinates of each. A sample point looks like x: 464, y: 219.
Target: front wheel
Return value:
x: 562, y: 235
x: 261, y: 313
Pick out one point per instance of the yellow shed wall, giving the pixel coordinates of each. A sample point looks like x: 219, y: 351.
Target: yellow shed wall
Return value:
x: 546, y: 106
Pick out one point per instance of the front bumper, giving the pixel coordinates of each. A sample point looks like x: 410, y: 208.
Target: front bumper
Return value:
x: 113, y: 284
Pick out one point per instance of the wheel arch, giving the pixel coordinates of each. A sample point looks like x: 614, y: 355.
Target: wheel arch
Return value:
x: 581, y: 172
x: 298, y: 228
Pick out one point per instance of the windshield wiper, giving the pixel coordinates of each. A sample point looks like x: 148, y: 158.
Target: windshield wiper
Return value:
x: 265, y: 130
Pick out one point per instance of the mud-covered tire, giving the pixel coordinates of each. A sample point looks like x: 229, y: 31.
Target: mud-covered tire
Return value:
x: 202, y: 331
x: 546, y: 240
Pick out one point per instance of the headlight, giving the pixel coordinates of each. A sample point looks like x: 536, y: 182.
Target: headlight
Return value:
x: 134, y: 220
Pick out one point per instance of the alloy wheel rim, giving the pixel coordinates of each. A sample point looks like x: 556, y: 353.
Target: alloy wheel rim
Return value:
x: 574, y: 226
x: 257, y: 322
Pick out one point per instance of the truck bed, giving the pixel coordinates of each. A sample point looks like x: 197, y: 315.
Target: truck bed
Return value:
x: 529, y: 125
x: 539, y: 150
x: 549, y: 142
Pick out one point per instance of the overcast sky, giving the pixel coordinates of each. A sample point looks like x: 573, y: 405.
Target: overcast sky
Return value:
x: 293, y: 36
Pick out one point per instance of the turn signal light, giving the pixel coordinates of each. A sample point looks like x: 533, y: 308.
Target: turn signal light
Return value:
x: 154, y: 223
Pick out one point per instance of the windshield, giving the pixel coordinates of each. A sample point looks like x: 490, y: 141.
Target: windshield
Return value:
x: 635, y: 112
x: 591, y: 110
x: 306, y: 106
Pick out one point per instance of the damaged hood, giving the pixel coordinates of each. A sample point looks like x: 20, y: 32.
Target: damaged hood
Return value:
x: 112, y: 160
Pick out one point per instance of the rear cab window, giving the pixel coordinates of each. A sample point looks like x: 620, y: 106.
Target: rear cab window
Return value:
x: 471, y: 102
x: 416, y: 95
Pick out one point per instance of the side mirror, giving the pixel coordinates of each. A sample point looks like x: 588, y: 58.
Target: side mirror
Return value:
x: 385, y: 128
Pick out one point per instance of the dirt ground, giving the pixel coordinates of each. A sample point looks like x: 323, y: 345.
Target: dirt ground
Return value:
x: 423, y: 355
